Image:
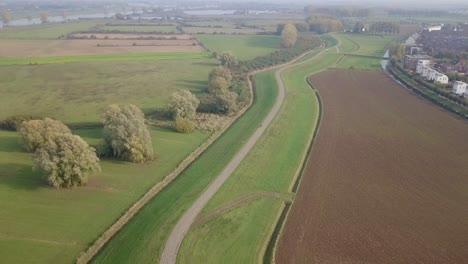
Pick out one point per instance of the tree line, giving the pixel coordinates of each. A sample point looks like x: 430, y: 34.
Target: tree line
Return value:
x: 384, y: 28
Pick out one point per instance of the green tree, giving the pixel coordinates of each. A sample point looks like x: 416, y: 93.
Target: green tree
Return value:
x: 358, y: 27
x: 228, y: 59
x: 218, y: 85
x: 289, y: 36
x: 221, y: 71
x: 126, y: 134
x: 35, y: 133
x: 183, y: 104
x: 66, y: 160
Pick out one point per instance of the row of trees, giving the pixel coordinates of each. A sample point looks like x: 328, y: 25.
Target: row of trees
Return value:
x: 384, y: 28
x: 324, y: 24
x: 68, y: 161
x: 339, y: 11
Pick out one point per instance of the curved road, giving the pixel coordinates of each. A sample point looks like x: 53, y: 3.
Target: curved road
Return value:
x: 169, y: 255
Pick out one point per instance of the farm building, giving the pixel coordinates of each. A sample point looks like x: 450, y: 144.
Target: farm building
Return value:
x: 421, y: 64
x: 459, y: 88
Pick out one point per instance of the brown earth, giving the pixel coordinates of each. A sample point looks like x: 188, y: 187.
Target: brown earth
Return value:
x: 49, y: 48
x: 386, y: 182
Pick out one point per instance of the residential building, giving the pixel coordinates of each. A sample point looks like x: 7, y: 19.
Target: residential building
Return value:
x: 441, y: 78
x: 459, y: 88
x: 421, y: 64
x: 426, y: 72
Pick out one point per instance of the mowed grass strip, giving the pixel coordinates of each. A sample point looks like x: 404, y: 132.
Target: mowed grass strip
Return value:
x: 49, y: 31
x: 143, y: 238
x: 359, y: 62
x: 54, y: 226
x: 242, y: 46
x: 371, y: 45
x: 241, y: 235
x: 105, y: 58
x: 79, y: 92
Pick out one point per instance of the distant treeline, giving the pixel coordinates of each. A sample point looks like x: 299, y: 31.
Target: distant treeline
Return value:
x: 339, y: 11
x: 384, y: 28
x: 318, y: 24
x: 414, y: 12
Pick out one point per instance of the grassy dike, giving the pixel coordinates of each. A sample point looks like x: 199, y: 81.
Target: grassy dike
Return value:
x: 143, y: 238
x: 237, y: 224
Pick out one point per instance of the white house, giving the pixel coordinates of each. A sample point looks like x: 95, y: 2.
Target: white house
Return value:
x: 432, y: 75
x: 441, y: 78
x: 421, y: 64
x: 459, y: 88
x: 425, y: 72
x: 434, y: 28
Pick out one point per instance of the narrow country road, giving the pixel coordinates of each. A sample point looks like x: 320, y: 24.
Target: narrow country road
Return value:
x: 169, y: 255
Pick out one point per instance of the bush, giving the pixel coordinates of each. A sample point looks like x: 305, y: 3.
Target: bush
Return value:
x: 35, y: 133
x: 126, y: 134
x: 12, y: 123
x: 184, y: 125
x: 67, y: 160
x: 183, y: 104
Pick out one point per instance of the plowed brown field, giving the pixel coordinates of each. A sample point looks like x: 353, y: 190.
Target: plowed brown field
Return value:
x: 386, y: 182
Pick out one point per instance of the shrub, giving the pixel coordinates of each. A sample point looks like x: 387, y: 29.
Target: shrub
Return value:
x: 183, y: 104
x: 126, y: 134
x: 12, y: 123
x: 67, y: 160
x: 184, y: 125
x: 35, y: 133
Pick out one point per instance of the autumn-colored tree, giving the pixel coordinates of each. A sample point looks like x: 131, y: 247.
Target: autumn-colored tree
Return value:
x: 218, y: 85
x: 184, y: 125
x: 183, y: 104
x: 35, y: 133
x: 66, y: 160
x: 126, y: 134
x: 221, y: 72
x: 289, y: 35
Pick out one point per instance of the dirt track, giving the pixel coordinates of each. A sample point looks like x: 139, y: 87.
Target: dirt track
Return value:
x: 171, y: 249
x: 386, y: 182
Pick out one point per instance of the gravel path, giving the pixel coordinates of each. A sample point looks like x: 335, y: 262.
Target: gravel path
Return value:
x: 169, y: 255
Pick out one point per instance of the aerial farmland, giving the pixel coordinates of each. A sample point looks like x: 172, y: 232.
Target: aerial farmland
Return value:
x: 231, y: 132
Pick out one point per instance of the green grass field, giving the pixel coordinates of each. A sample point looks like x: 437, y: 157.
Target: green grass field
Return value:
x: 372, y: 45
x: 143, y: 238
x: 243, y: 47
x: 49, y: 31
x: 165, y: 29
x: 105, y: 58
x: 54, y: 226
x: 78, y: 92
x: 359, y: 63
